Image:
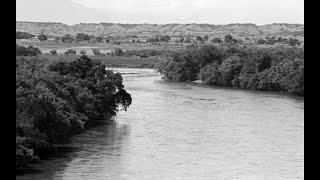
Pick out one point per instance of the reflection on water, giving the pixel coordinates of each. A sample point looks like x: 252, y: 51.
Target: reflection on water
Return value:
x: 187, y: 131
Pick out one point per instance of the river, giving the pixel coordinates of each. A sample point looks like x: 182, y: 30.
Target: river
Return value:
x: 186, y: 131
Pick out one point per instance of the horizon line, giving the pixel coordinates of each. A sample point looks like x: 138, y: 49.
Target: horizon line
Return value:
x: 156, y: 23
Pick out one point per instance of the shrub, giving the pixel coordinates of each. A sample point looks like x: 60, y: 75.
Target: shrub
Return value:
x: 216, y: 40
x: 261, y: 41
x: 56, y: 101
x: 82, y: 37
x: 253, y: 67
x: 228, y: 38
x: 70, y: 52
x: 230, y: 69
x: 206, y: 37
x: 27, y: 51
x: 67, y: 38
x: 199, y: 38
x: 165, y: 38
x: 42, y: 37
x: 83, y: 52
x: 53, y: 52
x: 155, y: 39
x: 293, y: 42
x: 96, y: 52
x: 24, y: 35
x: 118, y: 52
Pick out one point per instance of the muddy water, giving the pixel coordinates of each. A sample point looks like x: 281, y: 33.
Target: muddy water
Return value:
x: 187, y: 131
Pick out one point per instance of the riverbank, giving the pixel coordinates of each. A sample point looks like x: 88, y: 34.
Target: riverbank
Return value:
x: 55, y: 101
x: 279, y: 69
x: 186, y: 130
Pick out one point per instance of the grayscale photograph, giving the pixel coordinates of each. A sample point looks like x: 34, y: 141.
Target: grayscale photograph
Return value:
x: 159, y: 89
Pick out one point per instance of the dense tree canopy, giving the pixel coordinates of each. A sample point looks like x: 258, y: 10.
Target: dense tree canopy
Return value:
x: 268, y: 69
x: 42, y: 37
x: 24, y: 35
x: 27, y: 51
x: 55, y: 101
x: 67, y: 38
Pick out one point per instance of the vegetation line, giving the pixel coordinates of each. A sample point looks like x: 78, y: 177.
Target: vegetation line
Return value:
x: 279, y: 69
x: 57, y: 99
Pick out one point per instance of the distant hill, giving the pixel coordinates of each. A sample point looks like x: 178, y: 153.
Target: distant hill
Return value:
x: 112, y: 29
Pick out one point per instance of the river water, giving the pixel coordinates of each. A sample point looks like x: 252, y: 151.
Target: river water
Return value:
x: 186, y: 131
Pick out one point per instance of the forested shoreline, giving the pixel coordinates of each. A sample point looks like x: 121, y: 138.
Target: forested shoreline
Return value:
x: 56, y: 99
x: 275, y: 68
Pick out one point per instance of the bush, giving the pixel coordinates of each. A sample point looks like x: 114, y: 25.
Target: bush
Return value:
x: 67, y: 38
x: 24, y: 35
x: 261, y: 41
x: 27, y: 51
x: 199, y: 38
x: 83, y: 52
x: 55, y: 102
x: 70, y: 52
x: 96, y: 52
x: 254, y: 67
x: 155, y: 39
x: 216, y: 40
x: 118, y: 52
x: 228, y: 38
x: 210, y: 74
x: 230, y: 69
x: 144, y: 55
x: 165, y: 38
x: 42, y: 37
x: 82, y: 37
x: 294, y: 42
x: 53, y: 52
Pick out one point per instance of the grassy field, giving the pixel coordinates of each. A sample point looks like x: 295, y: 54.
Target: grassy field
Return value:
x: 60, y: 47
x: 110, y: 61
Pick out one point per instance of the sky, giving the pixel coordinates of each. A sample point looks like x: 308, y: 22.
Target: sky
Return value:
x: 161, y: 11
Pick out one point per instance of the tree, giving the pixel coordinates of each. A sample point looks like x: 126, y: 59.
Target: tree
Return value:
x: 118, y: 52
x: 261, y: 41
x: 83, y: 52
x: 154, y: 39
x: 228, y: 38
x: 42, y: 37
x: 67, y: 38
x: 70, y: 52
x: 107, y: 40
x: 24, y: 35
x: 293, y: 42
x: 206, y: 37
x: 82, y: 37
x: 55, y: 102
x: 182, y: 39
x: 270, y: 40
x: 199, y: 38
x: 96, y: 52
x: 230, y: 69
x: 210, y: 74
x: 207, y: 54
x: 165, y: 38
x: 27, y: 51
x: 53, y: 52
x: 216, y: 40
